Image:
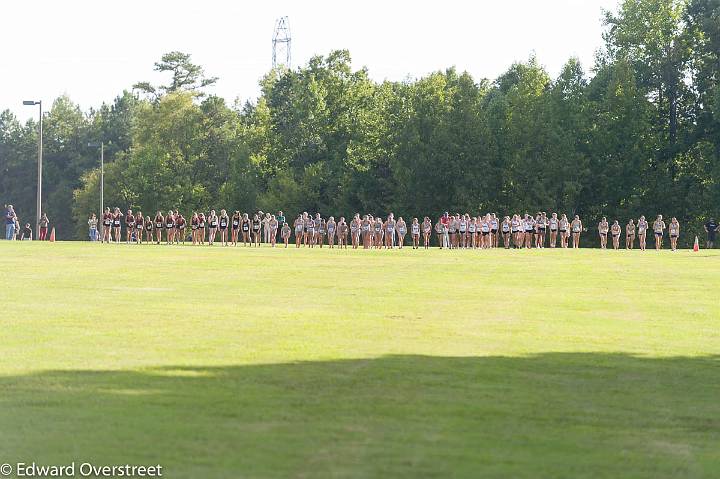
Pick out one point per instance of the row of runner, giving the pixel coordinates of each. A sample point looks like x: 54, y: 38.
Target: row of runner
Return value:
x: 452, y: 231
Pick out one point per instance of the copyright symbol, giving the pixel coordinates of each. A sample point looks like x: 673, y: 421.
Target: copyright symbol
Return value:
x: 5, y: 470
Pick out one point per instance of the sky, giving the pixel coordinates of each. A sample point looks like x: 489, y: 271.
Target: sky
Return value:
x: 93, y: 49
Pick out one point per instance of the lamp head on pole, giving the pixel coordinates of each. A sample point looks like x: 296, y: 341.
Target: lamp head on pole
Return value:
x: 93, y: 145
x: 31, y: 102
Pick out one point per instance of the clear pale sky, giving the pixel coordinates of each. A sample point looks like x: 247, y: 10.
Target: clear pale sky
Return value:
x: 93, y: 49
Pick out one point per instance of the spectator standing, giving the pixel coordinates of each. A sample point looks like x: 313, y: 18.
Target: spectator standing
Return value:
x: 44, y: 223
x: 280, y: 217
x: 10, y: 220
x: 445, y: 222
x: 711, y: 228
x: 92, y: 225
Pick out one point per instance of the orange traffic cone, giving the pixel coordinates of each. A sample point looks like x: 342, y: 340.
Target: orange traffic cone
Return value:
x: 696, y: 248
x: 52, y: 235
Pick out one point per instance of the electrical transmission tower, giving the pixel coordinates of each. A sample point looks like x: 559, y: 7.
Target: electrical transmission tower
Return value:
x: 281, y: 43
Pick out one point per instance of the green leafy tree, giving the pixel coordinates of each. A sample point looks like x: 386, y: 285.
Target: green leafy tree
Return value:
x: 186, y: 76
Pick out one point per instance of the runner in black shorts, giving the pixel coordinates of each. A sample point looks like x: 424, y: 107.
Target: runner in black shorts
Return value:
x: 223, y: 221
x: 235, y: 221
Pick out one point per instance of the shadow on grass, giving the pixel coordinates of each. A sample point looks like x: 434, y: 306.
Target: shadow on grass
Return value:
x: 547, y: 415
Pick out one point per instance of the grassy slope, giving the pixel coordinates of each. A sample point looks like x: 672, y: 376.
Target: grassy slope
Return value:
x: 221, y: 362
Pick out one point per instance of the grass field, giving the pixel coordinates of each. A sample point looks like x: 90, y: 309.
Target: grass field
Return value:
x: 237, y: 362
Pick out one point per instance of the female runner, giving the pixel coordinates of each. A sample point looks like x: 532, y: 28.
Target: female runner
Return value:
x: 170, y: 227
x: 440, y: 232
x: 553, y: 224
x: 256, y: 225
x: 375, y: 232
x: 107, y: 219
x: 615, y: 231
x: 320, y: 234
x: 365, y: 231
x: 179, y: 227
x: 212, y: 221
x: 415, y: 233
x: 317, y: 222
x: 273, y: 224
x: 285, y: 233
x: 484, y: 232
x: 529, y: 231
x: 117, y: 222
x: 642, y: 228
x: 202, y: 224
x: 401, y: 231
x: 452, y: 231
x: 577, y: 228
x: 471, y: 227
x: 494, y: 240
x: 525, y: 223
x: 194, y: 224
x: 630, y: 234
x: 659, y: 228
x: 309, y: 230
x: 245, y: 228
x: 355, y: 226
x: 342, y: 231
x: 564, y: 231
x: 427, y: 231
x: 181, y: 224
x: 603, y: 228
x: 462, y: 231
x: 303, y: 232
x: 129, y: 226
x: 331, y: 230
x: 540, y: 227
x: 515, y: 227
x: 235, y: 223
x: 372, y: 236
x: 312, y: 226
x: 674, y: 230
x: 148, y: 229
x: 505, y: 229
x: 472, y: 230
x: 390, y: 226
x: 224, y: 222
x: 536, y: 231
x: 159, y: 221
x: 139, y: 227
x: 299, y: 225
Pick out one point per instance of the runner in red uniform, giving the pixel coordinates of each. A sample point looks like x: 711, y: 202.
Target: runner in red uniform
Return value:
x: 180, y: 224
x: 201, y: 228
x: 139, y: 227
x: 129, y: 226
x: 107, y: 219
x: 117, y: 224
x: 159, y: 220
x: 194, y: 223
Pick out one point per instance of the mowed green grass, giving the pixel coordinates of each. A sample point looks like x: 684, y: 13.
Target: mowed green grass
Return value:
x: 237, y: 362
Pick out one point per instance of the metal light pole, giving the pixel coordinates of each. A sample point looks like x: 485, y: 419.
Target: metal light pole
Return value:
x: 102, y: 173
x: 40, y: 153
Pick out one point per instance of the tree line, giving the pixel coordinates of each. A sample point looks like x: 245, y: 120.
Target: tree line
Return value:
x: 637, y: 133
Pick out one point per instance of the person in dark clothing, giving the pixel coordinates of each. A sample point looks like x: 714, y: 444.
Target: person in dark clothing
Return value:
x: 26, y: 234
x: 711, y: 228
